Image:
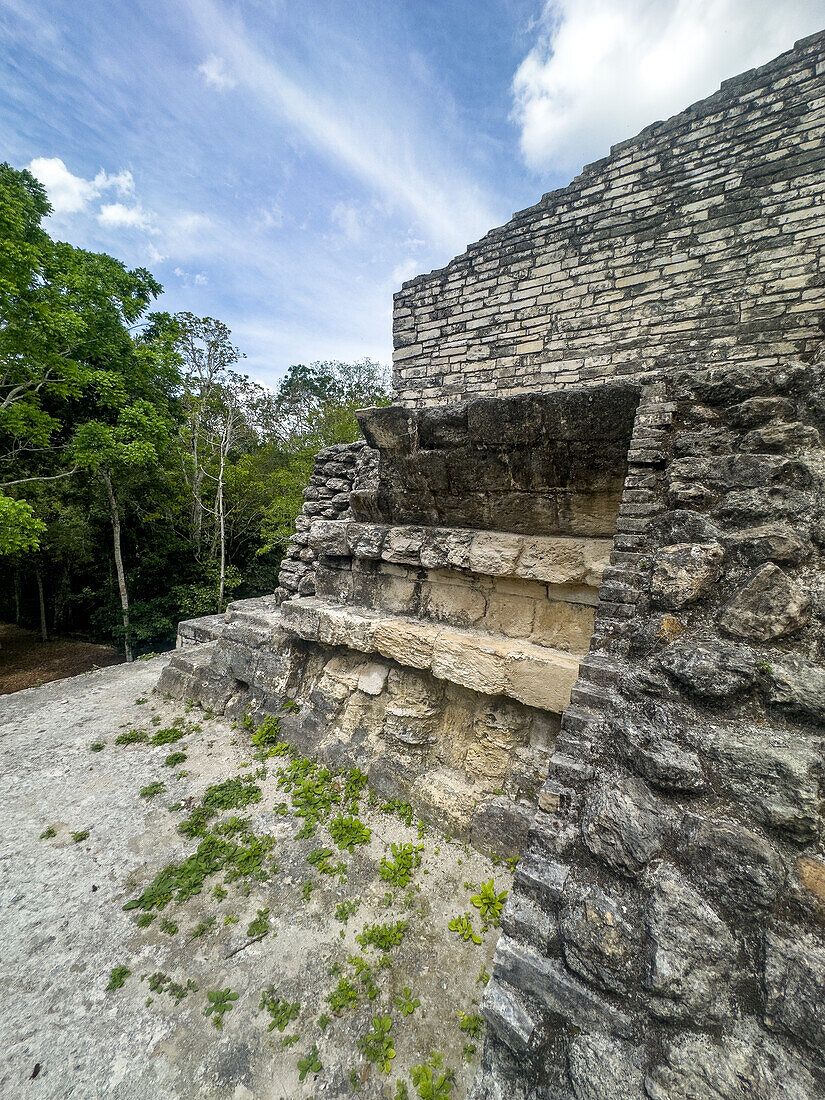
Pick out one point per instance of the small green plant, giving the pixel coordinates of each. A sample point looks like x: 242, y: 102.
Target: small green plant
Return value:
x: 310, y: 1063
x: 260, y: 925
x: 464, y: 927
x: 472, y: 1023
x: 430, y: 1082
x: 468, y: 1051
x: 230, y: 918
x: 321, y: 861
x: 346, y: 909
x: 363, y: 970
x: 349, y: 831
x: 281, y: 1011
x: 152, y: 789
x: 141, y: 701
x: 399, y: 870
x: 344, y: 995
x: 48, y: 833
x: 169, y: 927
x: 132, y: 737
x: 291, y: 705
x: 323, y: 1020
x: 402, y: 810
x: 290, y: 1041
x: 80, y: 836
x: 202, y: 928
x: 401, y: 1090
x: 483, y: 976
x: 382, y: 936
x: 267, y: 736
x: 174, y: 758
x: 220, y: 1001
x: 168, y: 736
x: 98, y: 746
x: 145, y: 919
x: 219, y: 893
x: 306, y: 890
x: 377, y: 1044
x: 489, y: 903
x: 162, y: 983
x: 118, y: 977
x: 405, y: 1003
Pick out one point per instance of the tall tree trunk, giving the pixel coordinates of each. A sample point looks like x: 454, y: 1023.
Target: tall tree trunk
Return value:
x: 114, y: 513
x: 222, y: 522
x: 17, y: 597
x: 44, y: 634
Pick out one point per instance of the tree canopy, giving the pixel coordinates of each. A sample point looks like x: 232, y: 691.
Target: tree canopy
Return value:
x: 144, y: 478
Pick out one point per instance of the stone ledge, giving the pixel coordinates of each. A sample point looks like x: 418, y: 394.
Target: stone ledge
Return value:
x: 491, y: 664
x: 561, y: 559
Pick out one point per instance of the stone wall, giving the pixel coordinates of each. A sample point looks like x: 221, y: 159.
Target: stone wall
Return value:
x: 666, y: 934
x: 698, y: 241
x: 327, y: 496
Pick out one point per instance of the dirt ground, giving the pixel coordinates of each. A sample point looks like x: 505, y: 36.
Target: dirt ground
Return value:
x: 27, y: 662
x: 235, y: 918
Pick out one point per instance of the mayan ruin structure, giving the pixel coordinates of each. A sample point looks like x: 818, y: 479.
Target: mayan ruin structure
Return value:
x: 567, y: 599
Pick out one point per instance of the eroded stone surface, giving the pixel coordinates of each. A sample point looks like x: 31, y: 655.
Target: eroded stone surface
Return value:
x: 624, y: 825
x: 684, y: 572
x: 770, y: 606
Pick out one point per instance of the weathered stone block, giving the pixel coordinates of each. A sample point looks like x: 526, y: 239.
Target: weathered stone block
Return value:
x: 694, y: 955
x: 795, y: 988
x: 600, y: 942
x: 711, y: 669
x: 624, y: 825
x: 770, y: 606
x: 684, y: 572
x: 733, y: 865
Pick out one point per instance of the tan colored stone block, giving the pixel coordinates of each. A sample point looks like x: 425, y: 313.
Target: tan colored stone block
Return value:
x: 409, y: 643
x: 510, y: 615
x: 811, y: 874
x: 542, y: 678
x: 566, y: 626
x: 485, y: 761
x: 458, y: 604
x: 473, y: 661
x: 495, y: 553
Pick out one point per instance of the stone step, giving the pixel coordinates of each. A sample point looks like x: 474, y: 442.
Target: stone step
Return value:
x: 492, y: 664
x: 558, y: 559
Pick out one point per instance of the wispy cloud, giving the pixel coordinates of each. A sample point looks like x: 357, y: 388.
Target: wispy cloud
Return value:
x: 116, y: 215
x: 600, y: 70
x: 356, y: 134
x: 213, y: 70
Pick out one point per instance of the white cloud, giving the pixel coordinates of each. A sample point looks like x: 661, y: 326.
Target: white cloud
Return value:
x: 117, y: 216
x: 213, y: 70
x: 271, y: 217
x: 70, y: 194
x: 199, y: 279
x: 601, y: 70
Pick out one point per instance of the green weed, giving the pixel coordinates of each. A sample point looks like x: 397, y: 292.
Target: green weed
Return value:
x: 348, y: 831
x: 430, y: 1083
x: 344, y: 995
x: 98, y: 746
x: 260, y: 925
x: 132, y: 737
x: 48, y: 833
x: 118, y: 977
x: 80, y: 836
x: 346, y: 909
x: 377, y: 1044
x: 382, y: 936
x: 489, y: 903
x: 472, y: 1023
x: 174, y: 758
x: 152, y: 789
x: 220, y: 1001
x: 232, y: 794
x: 310, y: 1063
x: 281, y: 1011
x: 168, y: 736
x: 399, y: 870
x: 464, y: 927
x: 405, y: 1003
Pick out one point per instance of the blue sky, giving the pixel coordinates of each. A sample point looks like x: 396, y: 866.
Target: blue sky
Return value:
x: 284, y: 164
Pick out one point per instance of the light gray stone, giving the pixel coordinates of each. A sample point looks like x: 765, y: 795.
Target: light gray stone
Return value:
x: 795, y: 988
x: 684, y: 572
x: 624, y: 826
x: 709, y: 668
x: 512, y: 1017
x: 599, y: 942
x: 733, y: 865
x: 770, y: 606
x: 693, y: 957
x: 603, y: 1068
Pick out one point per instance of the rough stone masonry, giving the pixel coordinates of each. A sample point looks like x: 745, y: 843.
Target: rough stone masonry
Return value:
x: 568, y: 599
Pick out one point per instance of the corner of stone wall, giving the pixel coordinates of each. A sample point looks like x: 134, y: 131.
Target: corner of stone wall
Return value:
x: 665, y: 937
x: 336, y: 471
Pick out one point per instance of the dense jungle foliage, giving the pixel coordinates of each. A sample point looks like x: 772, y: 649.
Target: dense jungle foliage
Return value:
x: 143, y: 477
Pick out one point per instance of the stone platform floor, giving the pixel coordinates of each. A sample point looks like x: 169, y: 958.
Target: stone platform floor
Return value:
x: 63, y: 929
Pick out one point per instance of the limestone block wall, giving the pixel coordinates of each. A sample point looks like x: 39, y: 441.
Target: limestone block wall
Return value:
x: 666, y: 934
x: 698, y: 241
